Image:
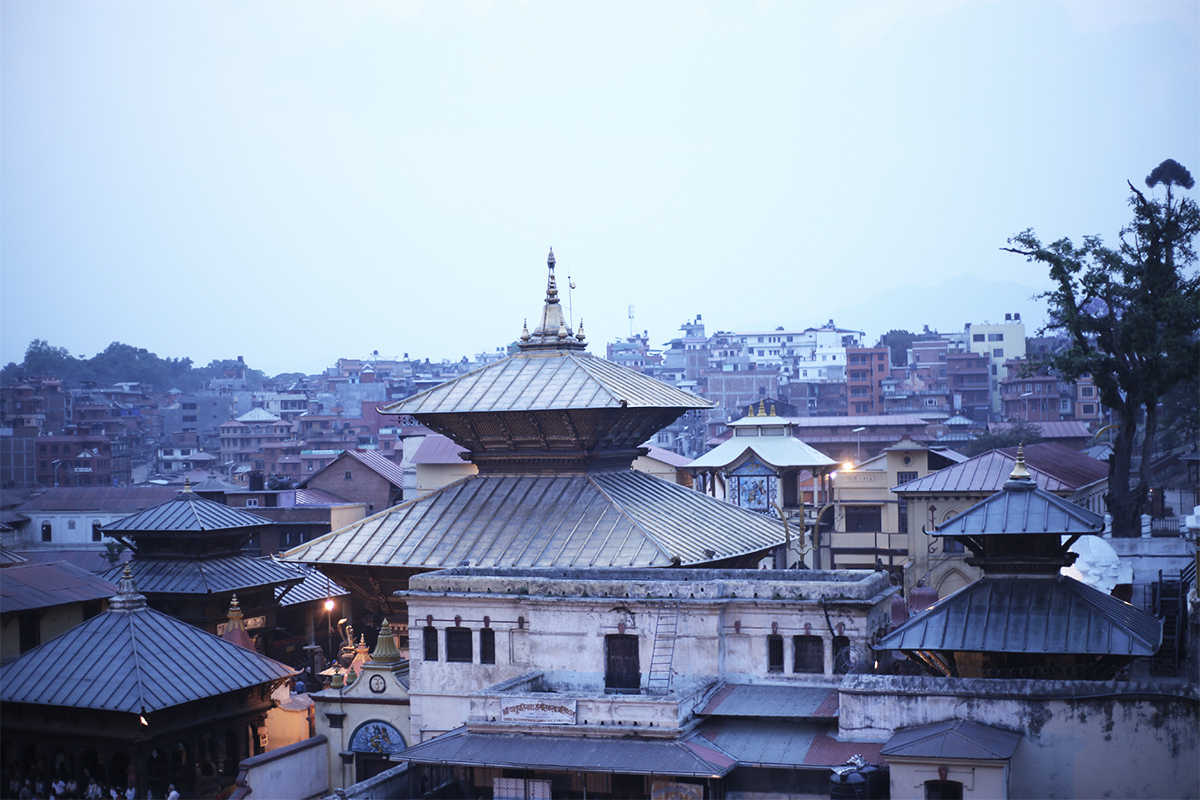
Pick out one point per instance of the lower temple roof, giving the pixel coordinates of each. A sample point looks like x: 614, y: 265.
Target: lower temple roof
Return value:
x: 620, y: 518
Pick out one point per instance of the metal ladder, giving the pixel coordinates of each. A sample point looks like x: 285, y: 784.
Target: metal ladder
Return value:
x: 665, y: 627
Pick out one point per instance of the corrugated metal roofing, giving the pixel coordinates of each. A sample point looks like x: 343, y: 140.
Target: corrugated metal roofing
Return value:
x: 667, y: 456
x: 204, y: 576
x: 623, y: 754
x: 439, y: 449
x: 315, y: 586
x: 957, y: 739
x: 29, y: 586
x: 607, y: 519
x: 778, y: 743
x: 1022, y: 510
x: 1056, y: 615
x: 768, y: 700
x: 867, y: 420
x: 93, y: 561
x: 258, y: 415
x: 113, y: 499
x: 10, y: 557
x: 1056, y: 429
x: 1054, y: 467
x: 317, y: 497
x: 187, y: 512
x: 545, y: 380
x: 778, y: 451
x: 133, y: 660
x: 388, y: 470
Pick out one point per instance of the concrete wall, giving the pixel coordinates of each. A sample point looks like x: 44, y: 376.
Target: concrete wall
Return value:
x: 985, y: 780
x: 338, y: 713
x: 1081, y: 739
x: 558, y: 626
x: 298, y: 771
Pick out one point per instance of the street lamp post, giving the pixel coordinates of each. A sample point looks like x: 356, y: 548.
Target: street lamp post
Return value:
x: 859, y: 431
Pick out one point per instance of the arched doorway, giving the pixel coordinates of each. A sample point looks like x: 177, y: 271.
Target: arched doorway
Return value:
x: 373, y: 742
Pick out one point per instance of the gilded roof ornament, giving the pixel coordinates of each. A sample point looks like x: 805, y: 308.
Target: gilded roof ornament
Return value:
x: 579, y: 334
x: 525, y: 337
x: 762, y: 408
x: 1020, y: 473
x: 385, y: 646
x: 552, y: 331
x: 127, y: 596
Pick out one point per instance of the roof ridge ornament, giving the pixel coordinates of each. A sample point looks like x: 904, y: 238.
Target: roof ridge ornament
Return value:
x: 127, y: 597
x: 1020, y: 478
x: 385, y: 646
x: 552, y: 333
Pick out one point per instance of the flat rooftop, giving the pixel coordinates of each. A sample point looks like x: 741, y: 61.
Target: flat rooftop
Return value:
x: 656, y: 584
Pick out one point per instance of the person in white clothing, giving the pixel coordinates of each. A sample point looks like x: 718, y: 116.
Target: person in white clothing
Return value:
x: 171, y: 793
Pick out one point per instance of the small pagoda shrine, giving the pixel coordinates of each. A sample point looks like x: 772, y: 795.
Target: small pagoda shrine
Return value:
x: 761, y: 463
x: 1023, y: 618
x: 135, y: 696
x: 191, y: 555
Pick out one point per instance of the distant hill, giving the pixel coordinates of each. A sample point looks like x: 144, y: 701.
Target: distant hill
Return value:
x: 945, y: 307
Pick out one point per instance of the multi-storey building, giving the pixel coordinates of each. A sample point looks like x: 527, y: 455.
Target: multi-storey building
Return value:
x: 999, y: 342
x: 968, y: 376
x: 80, y: 458
x: 866, y: 367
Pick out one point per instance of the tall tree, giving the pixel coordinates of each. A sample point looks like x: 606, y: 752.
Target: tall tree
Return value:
x: 1132, y: 316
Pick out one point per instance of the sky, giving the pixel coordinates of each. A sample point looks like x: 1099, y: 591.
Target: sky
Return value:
x: 298, y: 182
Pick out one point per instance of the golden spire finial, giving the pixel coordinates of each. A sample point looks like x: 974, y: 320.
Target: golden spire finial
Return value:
x: 762, y: 410
x: 579, y: 334
x: 187, y: 486
x: 1020, y: 473
x: 235, y: 613
x: 772, y: 409
x: 525, y: 337
x: 385, y: 646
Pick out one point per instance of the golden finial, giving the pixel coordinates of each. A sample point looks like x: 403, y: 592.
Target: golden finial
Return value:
x: 772, y: 409
x: 525, y: 337
x: 579, y: 335
x: 235, y: 611
x: 562, y: 330
x: 187, y: 486
x: 1020, y: 473
x: 385, y: 646
x: 762, y: 411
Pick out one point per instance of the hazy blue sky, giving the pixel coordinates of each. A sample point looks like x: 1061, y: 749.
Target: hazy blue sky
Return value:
x: 297, y: 182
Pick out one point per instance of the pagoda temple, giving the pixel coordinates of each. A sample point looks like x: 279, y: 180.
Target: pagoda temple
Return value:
x: 191, y: 555
x: 1023, y: 618
x: 553, y: 431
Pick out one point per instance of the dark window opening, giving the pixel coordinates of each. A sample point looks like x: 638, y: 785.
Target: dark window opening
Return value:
x: 943, y: 790
x: 96, y: 534
x: 46, y: 531
x: 774, y: 653
x: 864, y: 519
x: 28, y: 633
x: 808, y: 655
x: 458, y: 645
x: 430, y: 643
x: 622, y: 671
x: 487, y: 646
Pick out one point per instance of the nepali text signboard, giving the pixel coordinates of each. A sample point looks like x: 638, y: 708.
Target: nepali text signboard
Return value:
x: 537, y: 709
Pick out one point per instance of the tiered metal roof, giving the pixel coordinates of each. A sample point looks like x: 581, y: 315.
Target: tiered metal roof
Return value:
x: 208, y: 576
x: 607, y: 519
x: 133, y: 659
x: 1057, y: 615
x: 540, y: 381
x: 187, y: 512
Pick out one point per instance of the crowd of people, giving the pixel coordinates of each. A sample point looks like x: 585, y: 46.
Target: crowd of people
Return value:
x: 19, y: 785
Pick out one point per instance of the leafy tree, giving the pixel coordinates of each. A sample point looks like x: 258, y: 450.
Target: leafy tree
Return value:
x: 1019, y: 432
x: 41, y: 358
x: 1132, y: 316
x: 899, y: 342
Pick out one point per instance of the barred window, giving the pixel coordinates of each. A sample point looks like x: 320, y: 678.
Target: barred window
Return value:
x: 458, y: 645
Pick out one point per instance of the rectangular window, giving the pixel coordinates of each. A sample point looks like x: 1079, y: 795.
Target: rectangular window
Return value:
x: 70, y: 524
x: 864, y: 519
x: 808, y: 654
x: 1087, y: 391
x: 622, y: 672
x: 458, y: 645
x: 1089, y: 408
x: 430, y: 643
x: 977, y: 337
x: 998, y: 352
x: 251, y: 502
x: 995, y: 337
x: 774, y: 653
x: 487, y: 646
x: 348, y: 476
